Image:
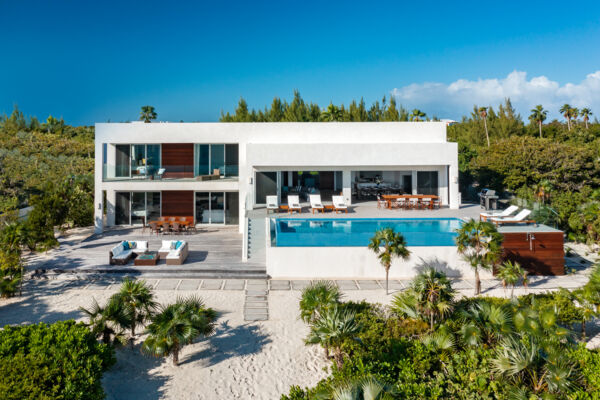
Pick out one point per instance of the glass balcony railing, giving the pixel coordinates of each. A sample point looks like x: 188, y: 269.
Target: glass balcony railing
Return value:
x: 180, y: 172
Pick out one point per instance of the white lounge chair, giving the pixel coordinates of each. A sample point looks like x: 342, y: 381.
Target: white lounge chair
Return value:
x: 315, y: 203
x: 272, y: 204
x: 519, y: 218
x: 160, y: 172
x: 339, y: 204
x: 505, y: 213
x: 294, y: 203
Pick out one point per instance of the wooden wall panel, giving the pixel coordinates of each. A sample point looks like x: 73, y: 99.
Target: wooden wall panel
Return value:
x: 178, y: 160
x: 542, y: 256
x: 177, y: 203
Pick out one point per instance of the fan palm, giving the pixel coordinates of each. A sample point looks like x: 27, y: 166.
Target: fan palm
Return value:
x: 538, y: 116
x: 417, y: 115
x: 107, y: 322
x: 317, y: 297
x: 434, y: 293
x: 585, y: 114
x: 335, y: 325
x: 138, y: 302
x: 485, y: 322
x: 510, y: 273
x: 483, y: 113
x: 480, y: 244
x: 388, y: 244
x: 367, y: 388
x: 176, y: 325
x: 333, y: 113
x: 147, y: 114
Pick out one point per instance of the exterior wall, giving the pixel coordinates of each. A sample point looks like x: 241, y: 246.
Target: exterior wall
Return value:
x: 281, y: 146
x: 360, y: 262
x: 543, y: 255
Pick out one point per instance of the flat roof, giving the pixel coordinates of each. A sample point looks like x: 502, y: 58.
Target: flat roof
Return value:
x: 526, y: 228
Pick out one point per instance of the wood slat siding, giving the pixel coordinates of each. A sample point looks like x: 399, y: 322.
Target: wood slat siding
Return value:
x: 177, y: 203
x: 178, y: 160
x: 545, y: 255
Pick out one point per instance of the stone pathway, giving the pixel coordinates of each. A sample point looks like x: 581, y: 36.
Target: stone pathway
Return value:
x: 256, y: 306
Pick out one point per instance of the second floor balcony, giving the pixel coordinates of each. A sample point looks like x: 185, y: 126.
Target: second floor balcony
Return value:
x: 166, y: 172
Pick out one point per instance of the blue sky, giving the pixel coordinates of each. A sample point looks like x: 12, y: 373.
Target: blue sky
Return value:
x: 97, y: 61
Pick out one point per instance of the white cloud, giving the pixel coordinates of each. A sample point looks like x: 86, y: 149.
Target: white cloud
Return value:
x: 457, y: 98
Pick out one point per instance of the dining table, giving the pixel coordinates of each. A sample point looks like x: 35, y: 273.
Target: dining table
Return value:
x: 389, y: 198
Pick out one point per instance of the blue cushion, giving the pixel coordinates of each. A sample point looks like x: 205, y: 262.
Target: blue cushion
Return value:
x: 125, y: 245
x: 178, y: 244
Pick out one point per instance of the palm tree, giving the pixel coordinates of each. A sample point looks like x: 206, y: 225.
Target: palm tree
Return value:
x: 567, y: 111
x: 585, y: 114
x: 434, y: 293
x: 367, y: 388
x: 335, y: 325
x: 393, y: 245
x: 483, y: 113
x: 480, y: 244
x: 333, y: 113
x: 485, y: 322
x: 107, y: 322
x: 176, y: 325
x: 510, y: 273
x: 317, y: 297
x: 417, y: 114
x: 147, y: 114
x: 538, y: 116
x: 137, y: 300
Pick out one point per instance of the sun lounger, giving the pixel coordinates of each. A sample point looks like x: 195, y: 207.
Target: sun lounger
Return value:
x: 517, y: 219
x: 506, y: 213
x: 294, y: 204
x: 272, y: 204
x: 339, y: 204
x: 315, y: 203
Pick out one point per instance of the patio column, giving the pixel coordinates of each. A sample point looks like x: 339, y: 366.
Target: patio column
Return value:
x: 347, y: 185
x: 111, y: 200
x: 453, y: 182
x: 414, y: 182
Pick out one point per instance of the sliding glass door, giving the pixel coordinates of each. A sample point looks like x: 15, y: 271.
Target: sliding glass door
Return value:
x: 217, y: 208
x: 427, y: 182
x: 136, y: 208
x: 216, y: 159
x: 266, y: 185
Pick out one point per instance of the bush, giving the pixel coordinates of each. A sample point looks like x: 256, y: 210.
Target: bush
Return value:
x: 57, y: 361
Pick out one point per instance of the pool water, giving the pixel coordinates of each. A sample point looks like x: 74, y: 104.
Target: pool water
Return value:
x: 357, y: 232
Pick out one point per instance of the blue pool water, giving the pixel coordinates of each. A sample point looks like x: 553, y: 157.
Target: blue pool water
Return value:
x: 288, y: 232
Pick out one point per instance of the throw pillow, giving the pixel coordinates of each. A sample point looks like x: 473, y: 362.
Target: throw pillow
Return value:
x: 125, y: 245
x: 132, y: 245
x: 172, y: 247
x: 178, y: 245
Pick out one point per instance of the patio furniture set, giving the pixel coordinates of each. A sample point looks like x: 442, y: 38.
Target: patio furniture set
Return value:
x: 507, y: 216
x: 174, y: 252
x: 316, y: 205
x: 172, y: 225
x: 408, y: 201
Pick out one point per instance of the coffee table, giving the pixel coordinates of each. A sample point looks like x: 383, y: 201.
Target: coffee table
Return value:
x: 149, y: 258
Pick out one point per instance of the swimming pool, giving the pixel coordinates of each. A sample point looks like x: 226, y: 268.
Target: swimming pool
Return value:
x: 356, y: 232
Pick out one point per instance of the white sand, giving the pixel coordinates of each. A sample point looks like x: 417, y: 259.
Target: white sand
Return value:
x: 241, y: 361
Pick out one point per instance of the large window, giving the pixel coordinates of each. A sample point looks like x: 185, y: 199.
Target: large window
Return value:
x: 122, y: 160
x: 137, y: 207
x: 219, y: 158
x: 427, y: 182
x: 217, y: 208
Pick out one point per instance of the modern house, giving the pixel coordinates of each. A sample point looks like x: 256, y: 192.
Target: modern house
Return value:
x: 216, y: 171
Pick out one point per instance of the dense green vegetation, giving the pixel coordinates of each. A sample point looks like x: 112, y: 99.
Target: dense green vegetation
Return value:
x: 57, y: 361
x: 429, y: 344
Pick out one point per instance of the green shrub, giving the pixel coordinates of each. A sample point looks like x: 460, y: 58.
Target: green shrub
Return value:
x: 57, y: 361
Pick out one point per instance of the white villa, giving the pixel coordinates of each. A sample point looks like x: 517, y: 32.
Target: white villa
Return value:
x: 215, y: 172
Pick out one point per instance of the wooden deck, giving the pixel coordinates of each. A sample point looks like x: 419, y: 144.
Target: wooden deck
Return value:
x: 214, y: 252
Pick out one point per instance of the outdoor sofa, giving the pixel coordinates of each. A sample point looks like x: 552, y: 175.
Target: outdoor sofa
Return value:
x: 122, y: 253
x: 174, y: 251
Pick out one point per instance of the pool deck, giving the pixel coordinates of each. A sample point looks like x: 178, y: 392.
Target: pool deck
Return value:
x: 369, y: 210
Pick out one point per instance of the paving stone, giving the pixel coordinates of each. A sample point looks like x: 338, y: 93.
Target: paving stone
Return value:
x: 256, y: 306
x: 150, y: 282
x: 369, y: 285
x: 167, y: 284
x: 235, y: 284
x: 257, y: 287
x: 256, y: 292
x: 462, y: 284
x: 347, y: 285
x: 280, y: 285
x: 212, y: 284
x: 256, y: 318
x: 299, y: 285
x: 257, y: 281
x: 189, y: 284
x: 93, y: 285
x: 256, y: 298
x: 394, y: 284
x: 261, y: 311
